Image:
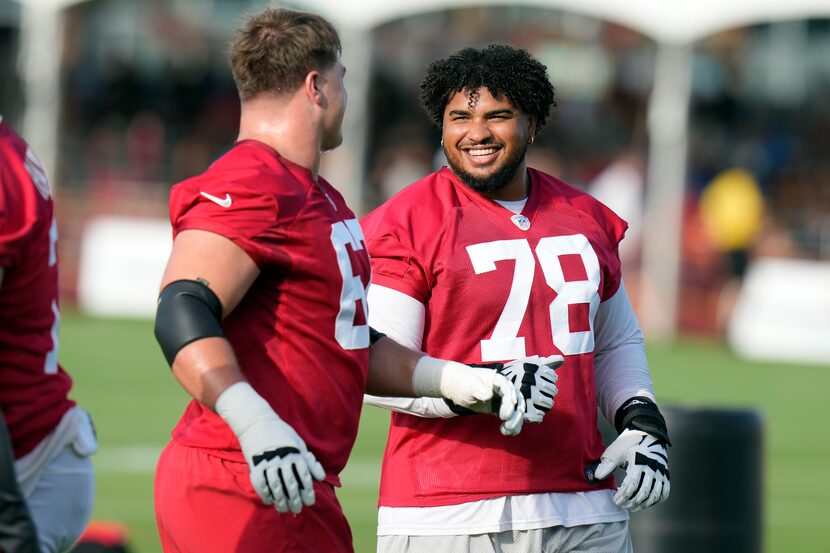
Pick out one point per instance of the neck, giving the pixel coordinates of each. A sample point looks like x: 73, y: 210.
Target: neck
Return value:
x: 286, y: 124
x: 516, y: 188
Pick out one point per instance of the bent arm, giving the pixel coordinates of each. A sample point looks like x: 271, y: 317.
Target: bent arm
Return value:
x: 401, y: 318
x: 206, y: 367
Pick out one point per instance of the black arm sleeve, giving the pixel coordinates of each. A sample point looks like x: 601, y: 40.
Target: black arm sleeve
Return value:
x: 374, y: 336
x: 187, y: 311
x: 640, y: 413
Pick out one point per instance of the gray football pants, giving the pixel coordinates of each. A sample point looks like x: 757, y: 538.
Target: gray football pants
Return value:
x: 608, y: 537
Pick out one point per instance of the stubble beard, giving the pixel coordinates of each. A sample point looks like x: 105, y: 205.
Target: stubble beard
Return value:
x: 495, y: 180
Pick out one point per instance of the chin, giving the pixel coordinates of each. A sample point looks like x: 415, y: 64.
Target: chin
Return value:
x: 329, y: 145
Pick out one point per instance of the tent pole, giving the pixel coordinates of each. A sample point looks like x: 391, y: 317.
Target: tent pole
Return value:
x: 668, y: 122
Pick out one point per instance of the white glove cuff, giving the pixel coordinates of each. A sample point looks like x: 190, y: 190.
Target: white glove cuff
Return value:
x: 242, y: 407
x: 426, y: 376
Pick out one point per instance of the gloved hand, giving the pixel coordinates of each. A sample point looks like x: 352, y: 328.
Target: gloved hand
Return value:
x: 283, y: 470
x: 535, y: 381
x: 477, y: 389
x: 646, y: 463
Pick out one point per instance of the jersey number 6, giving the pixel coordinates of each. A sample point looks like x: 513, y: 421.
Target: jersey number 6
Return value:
x: 348, y: 334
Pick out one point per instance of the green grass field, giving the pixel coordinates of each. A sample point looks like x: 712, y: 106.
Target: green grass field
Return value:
x: 122, y: 379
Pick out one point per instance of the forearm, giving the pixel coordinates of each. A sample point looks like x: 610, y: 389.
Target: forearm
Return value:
x: 620, y: 375
x: 390, y: 369
x: 620, y: 364
x: 427, y: 407
x: 206, y: 368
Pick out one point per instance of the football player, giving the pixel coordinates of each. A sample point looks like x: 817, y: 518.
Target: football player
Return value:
x: 52, y: 438
x: 490, y: 260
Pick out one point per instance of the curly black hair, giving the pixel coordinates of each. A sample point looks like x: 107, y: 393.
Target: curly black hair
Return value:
x: 500, y: 68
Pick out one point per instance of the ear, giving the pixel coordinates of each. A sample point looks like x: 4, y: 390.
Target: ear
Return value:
x: 531, y: 125
x: 312, y: 86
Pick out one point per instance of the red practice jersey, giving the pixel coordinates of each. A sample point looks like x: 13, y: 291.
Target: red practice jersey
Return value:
x: 497, y: 286
x: 33, y: 387
x: 300, y: 334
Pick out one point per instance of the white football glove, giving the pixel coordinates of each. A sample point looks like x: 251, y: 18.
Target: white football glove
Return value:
x: 646, y: 464
x: 471, y: 388
x: 283, y: 470
x: 535, y: 381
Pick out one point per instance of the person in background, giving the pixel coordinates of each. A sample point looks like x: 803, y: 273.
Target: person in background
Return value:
x: 262, y: 316
x: 489, y: 260
x: 52, y: 438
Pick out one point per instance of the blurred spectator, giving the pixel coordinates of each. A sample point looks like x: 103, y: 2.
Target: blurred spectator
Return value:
x: 621, y: 186
x: 731, y: 210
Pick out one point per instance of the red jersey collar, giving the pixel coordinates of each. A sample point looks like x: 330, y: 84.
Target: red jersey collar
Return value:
x: 530, y: 207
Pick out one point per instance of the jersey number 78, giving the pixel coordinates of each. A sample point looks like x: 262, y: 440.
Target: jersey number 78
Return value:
x: 505, y: 342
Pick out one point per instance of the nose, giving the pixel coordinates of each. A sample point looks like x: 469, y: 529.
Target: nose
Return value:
x: 478, y: 131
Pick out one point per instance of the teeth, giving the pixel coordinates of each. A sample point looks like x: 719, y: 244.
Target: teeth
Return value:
x: 485, y: 152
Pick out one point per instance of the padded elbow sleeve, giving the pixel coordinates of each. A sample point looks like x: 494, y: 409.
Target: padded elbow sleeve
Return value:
x: 187, y: 311
x: 374, y: 336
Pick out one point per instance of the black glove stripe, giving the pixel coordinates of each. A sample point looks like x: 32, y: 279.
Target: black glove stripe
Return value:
x: 297, y: 476
x: 651, y: 491
x: 654, y: 464
x: 633, y: 494
x: 268, y: 484
x: 272, y: 453
x: 284, y: 487
x: 663, y: 457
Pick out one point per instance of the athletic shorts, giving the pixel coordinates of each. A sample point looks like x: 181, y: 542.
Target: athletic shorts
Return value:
x: 206, y: 504
x: 604, y: 537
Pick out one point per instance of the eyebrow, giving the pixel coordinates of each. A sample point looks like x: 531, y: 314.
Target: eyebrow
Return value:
x: 486, y: 114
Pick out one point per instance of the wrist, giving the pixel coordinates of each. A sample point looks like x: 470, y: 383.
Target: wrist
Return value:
x: 427, y: 375
x: 641, y: 413
x: 242, y: 407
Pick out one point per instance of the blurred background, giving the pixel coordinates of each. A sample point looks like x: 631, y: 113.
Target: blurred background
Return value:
x: 703, y: 125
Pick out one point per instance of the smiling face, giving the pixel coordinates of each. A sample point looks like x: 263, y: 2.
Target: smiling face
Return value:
x: 485, y: 141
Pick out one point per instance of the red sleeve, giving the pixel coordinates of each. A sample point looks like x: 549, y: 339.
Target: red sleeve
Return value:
x: 395, y: 263
x: 17, y: 212
x: 614, y: 228
x: 243, y: 215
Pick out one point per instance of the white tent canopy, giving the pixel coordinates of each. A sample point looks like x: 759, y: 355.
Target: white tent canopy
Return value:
x: 670, y: 22
x: 674, y: 26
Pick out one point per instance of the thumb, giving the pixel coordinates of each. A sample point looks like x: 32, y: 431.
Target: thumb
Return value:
x: 513, y: 426
x: 509, y: 399
x: 605, y: 468
x: 314, y: 466
x: 552, y: 361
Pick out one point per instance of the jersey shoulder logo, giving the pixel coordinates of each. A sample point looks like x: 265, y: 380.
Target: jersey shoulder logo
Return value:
x: 222, y: 202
